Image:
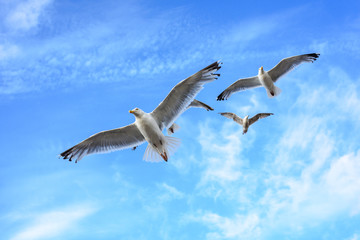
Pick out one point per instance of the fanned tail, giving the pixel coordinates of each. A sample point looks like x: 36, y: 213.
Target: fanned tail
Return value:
x: 275, y: 92
x: 153, y: 155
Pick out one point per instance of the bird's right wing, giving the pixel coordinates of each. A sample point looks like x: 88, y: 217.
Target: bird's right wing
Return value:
x: 199, y: 104
x: 288, y: 64
x: 259, y: 116
x: 105, y: 141
x: 183, y: 94
x: 239, y: 85
x: 232, y: 116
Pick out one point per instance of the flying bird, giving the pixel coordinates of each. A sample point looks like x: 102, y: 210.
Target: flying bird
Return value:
x: 246, y: 122
x: 268, y: 78
x: 195, y: 104
x: 148, y: 127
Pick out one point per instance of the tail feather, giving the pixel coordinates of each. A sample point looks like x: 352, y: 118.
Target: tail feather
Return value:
x: 276, y: 92
x: 154, y: 155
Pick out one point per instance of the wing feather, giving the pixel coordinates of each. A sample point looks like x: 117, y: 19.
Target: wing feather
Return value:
x: 239, y: 85
x: 232, y: 116
x: 105, y: 141
x: 288, y: 64
x: 198, y: 104
x: 259, y: 116
x: 183, y: 94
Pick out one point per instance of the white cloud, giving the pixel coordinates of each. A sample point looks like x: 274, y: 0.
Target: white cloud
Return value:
x: 26, y: 14
x: 237, y: 227
x: 54, y: 223
x: 8, y: 51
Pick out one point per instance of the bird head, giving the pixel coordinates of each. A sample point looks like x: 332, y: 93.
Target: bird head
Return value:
x: 246, y: 117
x: 137, y: 112
x: 261, y: 70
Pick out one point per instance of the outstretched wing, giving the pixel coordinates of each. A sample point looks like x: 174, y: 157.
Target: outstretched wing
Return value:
x: 182, y: 95
x: 199, y: 104
x: 259, y: 116
x: 116, y: 139
x: 232, y: 116
x: 239, y: 85
x: 288, y: 64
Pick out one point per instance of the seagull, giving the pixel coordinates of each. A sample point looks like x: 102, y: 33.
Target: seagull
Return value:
x: 195, y: 104
x: 268, y: 78
x: 148, y: 127
x: 246, y: 122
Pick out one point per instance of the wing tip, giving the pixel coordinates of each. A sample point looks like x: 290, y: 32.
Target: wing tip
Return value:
x: 222, y: 96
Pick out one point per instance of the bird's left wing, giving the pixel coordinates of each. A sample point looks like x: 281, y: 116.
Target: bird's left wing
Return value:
x: 232, y: 116
x: 239, y: 85
x: 259, y: 116
x: 116, y: 139
x: 199, y: 104
x: 288, y: 64
x: 182, y: 95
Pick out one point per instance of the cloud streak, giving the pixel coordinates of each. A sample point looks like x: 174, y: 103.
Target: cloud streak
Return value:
x: 54, y: 223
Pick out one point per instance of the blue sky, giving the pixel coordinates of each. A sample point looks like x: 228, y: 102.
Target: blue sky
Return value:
x: 69, y: 69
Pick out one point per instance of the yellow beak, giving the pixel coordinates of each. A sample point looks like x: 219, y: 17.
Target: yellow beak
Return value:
x: 131, y: 111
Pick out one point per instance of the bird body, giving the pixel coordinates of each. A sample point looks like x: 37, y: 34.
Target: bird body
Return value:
x: 151, y: 132
x: 268, y: 83
x: 245, y: 124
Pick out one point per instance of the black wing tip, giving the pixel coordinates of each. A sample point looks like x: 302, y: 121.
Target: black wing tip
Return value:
x: 214, y: 66
x: 65, y: 155
x: 314, y: 56
x: 222, y: 97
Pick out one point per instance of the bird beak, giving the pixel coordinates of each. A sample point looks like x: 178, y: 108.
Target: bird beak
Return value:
x: 131, y: 111
x: 261, y: 68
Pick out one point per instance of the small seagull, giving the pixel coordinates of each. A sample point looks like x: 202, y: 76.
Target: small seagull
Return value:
x: 246, y: 122
x: 268, y: 78
x: 148, y: 127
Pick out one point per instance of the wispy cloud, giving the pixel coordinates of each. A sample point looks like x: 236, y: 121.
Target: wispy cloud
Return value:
x: 26, y: 14
x: 54, y: 223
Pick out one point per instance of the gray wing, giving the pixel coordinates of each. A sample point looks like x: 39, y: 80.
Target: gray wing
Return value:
x: 116, y: 139
x: 232, y: 116
x: 199, y: 104
x: 239, y: 85
x: 288, y: 64
x: 182, y: 95
x: 259, y: 116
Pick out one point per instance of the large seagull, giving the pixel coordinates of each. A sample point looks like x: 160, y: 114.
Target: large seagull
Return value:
x: 268, y: 78
x: 148, y: 127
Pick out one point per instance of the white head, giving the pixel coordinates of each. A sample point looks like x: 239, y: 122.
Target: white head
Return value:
x: 261, y: 70
x: 137, y: 112
x: 246, y: 117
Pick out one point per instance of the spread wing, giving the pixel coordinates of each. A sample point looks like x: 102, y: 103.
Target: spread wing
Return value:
x: 288, y: 64
x: 116, y: 139
x: 232, y: 116
x: 239, y: 85
x: 259, y: 116
x: 199, y: 104
x: 182, y: 95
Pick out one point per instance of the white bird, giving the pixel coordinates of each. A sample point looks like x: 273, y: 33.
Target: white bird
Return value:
x: 268, y: 78
x: 246, y: 122
x: 195, y: 104
x: 148, y: 126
